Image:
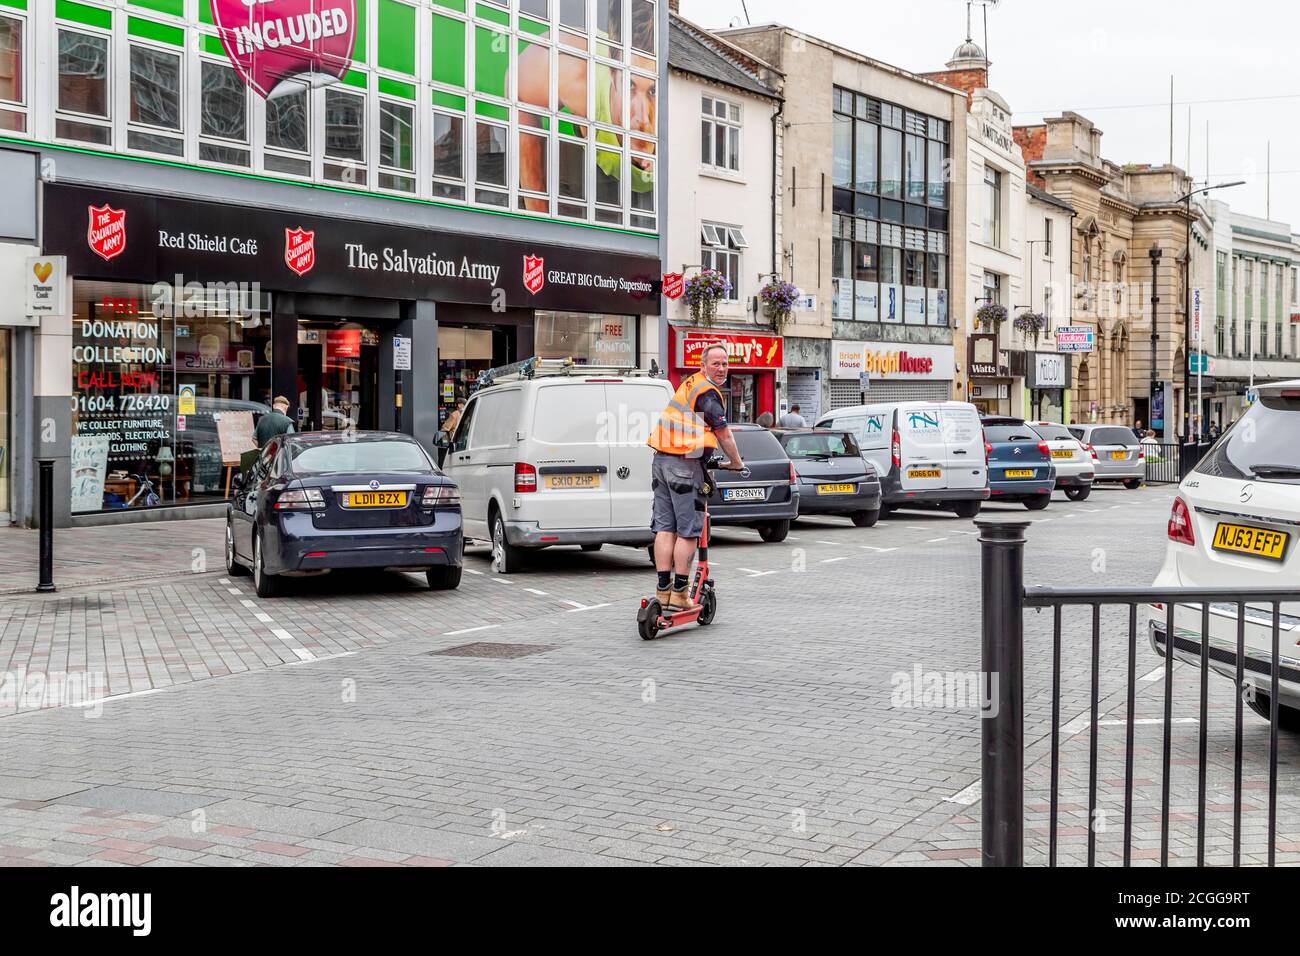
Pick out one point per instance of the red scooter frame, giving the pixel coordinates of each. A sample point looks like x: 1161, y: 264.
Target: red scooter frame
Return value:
x: 653, y: 618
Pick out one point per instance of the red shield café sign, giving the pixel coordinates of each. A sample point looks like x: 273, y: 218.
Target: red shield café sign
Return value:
x: 300, y: 250
x: 279, y: 46
x: 106, y: 231
x: 743, y: 350
x: 673, y: 285
x: 534, y: 274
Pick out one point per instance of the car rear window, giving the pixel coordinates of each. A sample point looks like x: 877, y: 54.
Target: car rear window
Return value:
x: 757, y: 443
x: 1053, y: 432
x: 1265, y: 435
x: 1113, y: 436
x: 836, y: 445
x: 1010, y: 433
x: 569, y: 413
x: 358, y: 457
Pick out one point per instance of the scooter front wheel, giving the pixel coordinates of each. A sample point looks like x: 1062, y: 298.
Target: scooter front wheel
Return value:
x: 708, y: 607
x: 647, y: 620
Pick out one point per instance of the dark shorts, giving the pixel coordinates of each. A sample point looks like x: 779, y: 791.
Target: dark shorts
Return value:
x: 678, y: 503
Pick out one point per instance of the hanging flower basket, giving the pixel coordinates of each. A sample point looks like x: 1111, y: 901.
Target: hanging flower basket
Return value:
x: 703, y: 290
x: 778, y: 298
x: 991, y: 315
x: 1030, y: 324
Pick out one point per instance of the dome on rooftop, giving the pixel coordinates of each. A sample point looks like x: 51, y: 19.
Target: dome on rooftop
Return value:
x: 968, y: 56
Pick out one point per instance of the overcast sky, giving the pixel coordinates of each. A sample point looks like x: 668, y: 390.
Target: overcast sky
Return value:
x: 1109, y: 60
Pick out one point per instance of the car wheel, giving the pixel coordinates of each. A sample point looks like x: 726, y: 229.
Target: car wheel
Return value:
x: 506, y: 558
x: 443, y: 579
x: 266, y: 585
x: 774, y: 532
x: 1132, y: 484
x: 1288, y: 718
x: 592, y: 547
x: 233, y: 567
x: 865, y: 519
x: 967, y: 509
x: 1038, y: 502
x: 1078, y: 493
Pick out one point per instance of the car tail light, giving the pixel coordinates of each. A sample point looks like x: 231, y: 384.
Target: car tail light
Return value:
x: 896, y: 450
x: 298, y: 499
x: 440, y: 496
x: 525, y: 477
x: 1042, y: 446
x: 988, y: 452
x: 1090, y: 450
x: 1180, y: 523
x: 1142, y: 455
x: 794, y: 477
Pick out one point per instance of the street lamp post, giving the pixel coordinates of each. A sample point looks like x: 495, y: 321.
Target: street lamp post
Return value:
x: 1155, y: 252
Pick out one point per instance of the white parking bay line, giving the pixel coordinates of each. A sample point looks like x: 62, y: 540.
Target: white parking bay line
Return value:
x: 470, y: 630
x: 1147, y: 721
x: 755, y: 574
x: 264, y: 617
x: 914, y: 528
x: 247, y: 603
x: 936, y: 540
x: 819, y: 541
x: 472, y: 571
x: 867, y: 547
x: 500, y: 580
x: 587, y: 607
x: 535, y: 591
x: 234, y: 590
x: 831, y: 560
x: 300, y: 652
x: 1155, y: 675
x: 966, y: 795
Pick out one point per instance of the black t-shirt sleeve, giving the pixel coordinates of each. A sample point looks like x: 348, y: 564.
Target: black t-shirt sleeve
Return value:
x: 709, y: 407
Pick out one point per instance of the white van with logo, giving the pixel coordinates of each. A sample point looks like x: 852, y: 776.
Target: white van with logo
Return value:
x: 927, y: 453
x: 547, y: 457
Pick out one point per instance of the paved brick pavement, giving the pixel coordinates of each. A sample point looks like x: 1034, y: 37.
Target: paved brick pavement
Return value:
x: 321, y: 729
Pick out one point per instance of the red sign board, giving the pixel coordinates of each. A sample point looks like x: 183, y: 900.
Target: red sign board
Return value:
x: 106, y: 231
x: 745, y: 350
x: 300, y: 249
x: 343, y: 343
x: 673, y: 285
x: 534, y: 274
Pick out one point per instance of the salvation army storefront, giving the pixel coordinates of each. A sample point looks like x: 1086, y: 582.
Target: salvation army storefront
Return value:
x: 189, y: 317
x: 754, y: 359
x: 896, y: 371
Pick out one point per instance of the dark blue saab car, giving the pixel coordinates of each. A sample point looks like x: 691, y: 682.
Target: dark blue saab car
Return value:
x: 327, y: 501
x: 1020, y: 463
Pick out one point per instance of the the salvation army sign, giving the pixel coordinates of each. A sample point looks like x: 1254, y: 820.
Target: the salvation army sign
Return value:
x: 273, y: 42
x: 673, y: 285
x: 534, y: 274
x: 299, y: 249
x: 106, y: 231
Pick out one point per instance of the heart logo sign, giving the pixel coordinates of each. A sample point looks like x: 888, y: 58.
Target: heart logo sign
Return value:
x: 43, y: 270
x: 279, y: 45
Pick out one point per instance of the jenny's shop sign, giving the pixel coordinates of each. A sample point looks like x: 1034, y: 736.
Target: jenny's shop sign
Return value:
x: 118, y: 235
x: 743, y: 350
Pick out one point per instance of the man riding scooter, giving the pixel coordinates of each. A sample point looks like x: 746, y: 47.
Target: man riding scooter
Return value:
x: 692, y: 426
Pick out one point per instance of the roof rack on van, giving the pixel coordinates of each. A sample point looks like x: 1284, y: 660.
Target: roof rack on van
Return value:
x: 542, y: 368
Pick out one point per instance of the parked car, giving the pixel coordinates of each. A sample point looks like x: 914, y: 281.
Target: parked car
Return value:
x: 1236, y: 523
x: 557, y: 458
x: 926, y: 453
x: 1116, y: 452
x: 314, y: 502
x: 834, y: 478
x: 1020, y: 463
x: 1074, y: 466
x: 765, y: 495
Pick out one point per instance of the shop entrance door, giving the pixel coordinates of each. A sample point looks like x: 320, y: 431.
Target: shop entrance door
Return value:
x: 338, y: 376
x: 740, y: 398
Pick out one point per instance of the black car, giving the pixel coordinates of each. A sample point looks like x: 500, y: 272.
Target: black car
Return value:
x: 325, y: 501
x: 834, y: 478
x: 764, y: 496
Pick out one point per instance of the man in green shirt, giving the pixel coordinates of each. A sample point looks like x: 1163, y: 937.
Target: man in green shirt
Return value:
x: 274, y: 422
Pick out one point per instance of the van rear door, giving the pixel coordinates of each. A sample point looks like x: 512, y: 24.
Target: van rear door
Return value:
x: 923, y: 451
x: 964, y: 437
x: 571, y: 455
x: 632, y: 409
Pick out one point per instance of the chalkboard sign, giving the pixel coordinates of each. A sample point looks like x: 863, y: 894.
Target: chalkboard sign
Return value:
x: 235, y: 431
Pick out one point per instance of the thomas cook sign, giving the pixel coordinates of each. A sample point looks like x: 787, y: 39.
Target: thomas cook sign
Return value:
x: 279, y: 45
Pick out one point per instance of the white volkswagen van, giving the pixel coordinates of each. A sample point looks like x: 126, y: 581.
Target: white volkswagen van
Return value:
x: 552, y: 453
x: 927, y: 453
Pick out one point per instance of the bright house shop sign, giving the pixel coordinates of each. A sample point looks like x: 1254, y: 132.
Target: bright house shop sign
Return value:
x: 278, y: 45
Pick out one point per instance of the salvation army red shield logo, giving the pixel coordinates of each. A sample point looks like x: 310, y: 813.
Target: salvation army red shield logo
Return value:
x: 672, y: 285
x: 106, y: 231
x: 534, y: 274
x: 300, y: 250
x: 279, y: 45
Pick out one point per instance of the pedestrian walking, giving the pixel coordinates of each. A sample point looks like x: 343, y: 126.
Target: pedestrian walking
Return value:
x: 453, y: 419
x: 792, y: 418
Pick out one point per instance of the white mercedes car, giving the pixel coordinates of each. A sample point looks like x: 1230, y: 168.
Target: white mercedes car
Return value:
x: 1236, y: 523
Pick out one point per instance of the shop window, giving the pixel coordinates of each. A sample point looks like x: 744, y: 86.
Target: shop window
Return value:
x: 448, y: 156
x: 345, y: 137
x: 396, y: 146
x: 155, y: 101
x: 587, y: 338
x: 84, y: 92
x: 223, y: 114
x: 13, y: 87
x: 288, y: 132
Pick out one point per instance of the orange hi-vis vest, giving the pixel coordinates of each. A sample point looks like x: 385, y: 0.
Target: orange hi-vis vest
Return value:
x: 681, y: 430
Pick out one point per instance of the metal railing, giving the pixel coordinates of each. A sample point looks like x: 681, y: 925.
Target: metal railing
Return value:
x: 1005, y: 600
x: 1170, y: 464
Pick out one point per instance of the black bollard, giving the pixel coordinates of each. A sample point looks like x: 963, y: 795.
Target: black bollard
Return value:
x: 46, y: 510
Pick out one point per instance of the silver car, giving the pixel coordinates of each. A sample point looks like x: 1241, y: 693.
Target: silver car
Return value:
x: 1116, y: 452
x: 1075, y: 468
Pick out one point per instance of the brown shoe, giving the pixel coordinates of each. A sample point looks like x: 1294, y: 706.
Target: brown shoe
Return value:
x: 662, y: 597
x: 680, y: 601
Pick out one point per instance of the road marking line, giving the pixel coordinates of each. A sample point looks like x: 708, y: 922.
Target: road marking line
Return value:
x: 264, y: 617
x: 914, y: 528
x: 472, y: 571
x: 249, y: 604
x: 223, y: 580
x: 470, y: 630
x: 1041, y: 520
x: 327, y: 657
x: 501, y: 580
x: 1147, y: 721
x: 976, y: 532
x: 966, y: 795
x: 573, y: 603
x: 1069, y: 515
x: 535, y: 591
x: 791, y: 537
x: 868, y: 547
x: 755, y: 574
x: 234, y: 590
x: 301, y: 652
x: 830, y: 560
x: 827, y: 542
x: 106, y: 700
x: 1155, y: 675
x: 1079, y: 724
x: 936, y: 540
x: 587, y: 607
